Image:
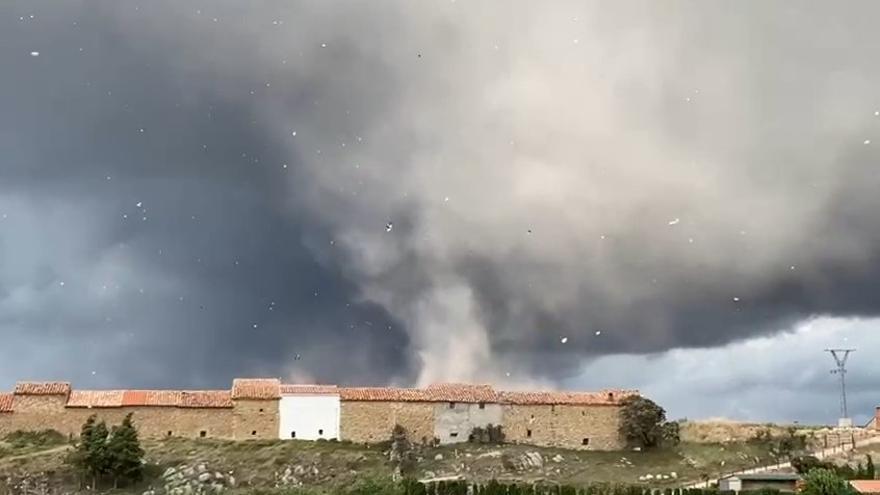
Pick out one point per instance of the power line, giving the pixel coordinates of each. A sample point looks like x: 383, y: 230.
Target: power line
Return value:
x: 840, y: 357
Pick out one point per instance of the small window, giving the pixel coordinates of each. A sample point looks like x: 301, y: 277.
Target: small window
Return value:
x: 203, y: 434
x: 293, y: 434
x: 583, y: 413
x: 320, y: 432
x: 254, y: 433
x: 454, y: 434
x: 452, y: 405
x: 169, y: 433
x: 610, y: 396
x: 552, y: 408
x: 585, y: 441
x: 482, y: 405
x: 528, y: 433
x: 261, y: 409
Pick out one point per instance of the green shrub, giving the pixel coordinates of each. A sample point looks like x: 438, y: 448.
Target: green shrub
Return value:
x: 42, y: 438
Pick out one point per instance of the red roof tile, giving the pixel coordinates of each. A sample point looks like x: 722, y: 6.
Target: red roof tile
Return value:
x: 256, y: 388
x: 95, y: 398
x: 604, y: 398
x: 460, y: 392
x: 42, y: 388
x: 384, y: 394
x: 151, y: 398
x: 866, y: 486
x: 205, y: 399
x: 298, y: 389
x: 6, y: 402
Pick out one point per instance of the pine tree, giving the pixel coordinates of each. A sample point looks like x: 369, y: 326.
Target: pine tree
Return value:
x: 125, y: 453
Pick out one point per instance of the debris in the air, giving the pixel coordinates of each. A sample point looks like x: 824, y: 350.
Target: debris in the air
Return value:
x: 674, y: 221
x: 35, y: 54
x: 293, y: 133
x: 389, y: 226
x: 323, y: 45
x: 61, y: 283
x: 736, y: 299
x: 867, y: 141
x: 876, y: 113
x: 598, y: 332
x: 139, y: 204
x: 563, y: 339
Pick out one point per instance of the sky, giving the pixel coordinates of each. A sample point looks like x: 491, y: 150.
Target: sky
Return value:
x: 679, y: 198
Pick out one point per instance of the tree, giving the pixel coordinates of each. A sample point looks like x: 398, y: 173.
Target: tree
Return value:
x: 125, y: 453
x: 825, y: 482
x: 90, y: 456
x: 869, y: 468
x: 643, y: 423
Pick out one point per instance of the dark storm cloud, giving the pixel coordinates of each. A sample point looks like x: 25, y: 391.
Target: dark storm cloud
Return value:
x: 561, y: 181
x: 146, y: 236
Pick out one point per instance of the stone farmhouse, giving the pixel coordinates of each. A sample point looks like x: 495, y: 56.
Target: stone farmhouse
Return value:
x: 268, y: 409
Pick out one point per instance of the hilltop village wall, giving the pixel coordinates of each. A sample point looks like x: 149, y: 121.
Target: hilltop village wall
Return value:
x: 268, y: 409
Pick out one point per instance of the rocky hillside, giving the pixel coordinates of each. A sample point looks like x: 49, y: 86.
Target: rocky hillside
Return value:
x: 196, y: 467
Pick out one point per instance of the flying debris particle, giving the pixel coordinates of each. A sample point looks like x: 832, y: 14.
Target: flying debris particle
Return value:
x: 674, y: 221
x: 876, y: 113
x: 598, y: 332
x: 575, y: 41
x: 61, y: 283
x: 297, y: 357
x: 791, y: 267
x: 563, y: 339
x: 690, y: 240
x: 389, y: 226
x: 283, y: 165
x: 141, y: 129
x: 293, y: 133
x: 735, y: 299
x: 530, y: 231
x: 867, y: 141
x: 602, y: 236
x: 35, y: 54
x: 139, y: 204
x: 255, y: 325
x: 323, y: 45
x: 94, y: 372
x: 446, y: 199
x: 687, y: 99
x: 108, y: 177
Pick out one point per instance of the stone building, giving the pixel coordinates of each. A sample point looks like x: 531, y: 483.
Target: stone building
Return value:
x: 267, y: 409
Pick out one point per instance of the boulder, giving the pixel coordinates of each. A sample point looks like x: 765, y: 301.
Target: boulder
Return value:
x: 438, y: 457
x: 204, y: 477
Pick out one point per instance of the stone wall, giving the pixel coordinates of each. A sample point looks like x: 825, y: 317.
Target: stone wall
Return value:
x: 255, y: 419
x: 567, y: 426
x: 372, y: 421
x: 454, y: 421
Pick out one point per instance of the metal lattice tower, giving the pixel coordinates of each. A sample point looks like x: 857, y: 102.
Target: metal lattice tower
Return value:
x: 840, y: 357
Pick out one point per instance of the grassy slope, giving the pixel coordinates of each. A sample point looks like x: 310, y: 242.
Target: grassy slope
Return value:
x: 258, y: 463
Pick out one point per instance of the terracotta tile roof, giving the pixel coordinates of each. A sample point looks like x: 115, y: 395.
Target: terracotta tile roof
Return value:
x: 256, y: 388
x: 206, y: 398
x: 95, y: 398
x: 298, y: 389
x: 460, y: 392
x: 42, y: 388
x: 866, y: 486
x: 603, y: 398
x: 383, y: 394
x: 151, y: 398
x: 6, y: 402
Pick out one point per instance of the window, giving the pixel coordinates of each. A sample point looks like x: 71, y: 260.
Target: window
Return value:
x: 169, y: 433
x: 482, y: 405
x: 585, y: 441
x: 454, y: 434
x: 452, y: 405
x: 553, y: 409
x: 254, y: 433
x: 261, y: 409
x: 293, y: 434
x: 528, y: 433
x: 320, y: 432
x: 583, y: 413
x: 610, y: 396
x: 203, y: 434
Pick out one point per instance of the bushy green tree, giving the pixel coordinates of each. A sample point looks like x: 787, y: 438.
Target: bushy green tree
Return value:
x: 643, y: 423
x: 825, y: 482
x: 126, y: 457
x: 869, y: 468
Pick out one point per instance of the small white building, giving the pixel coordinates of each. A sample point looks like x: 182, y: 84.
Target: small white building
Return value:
x: 308, y: 412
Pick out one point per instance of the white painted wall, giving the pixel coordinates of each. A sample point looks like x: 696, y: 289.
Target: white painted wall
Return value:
x: 310, y: 416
